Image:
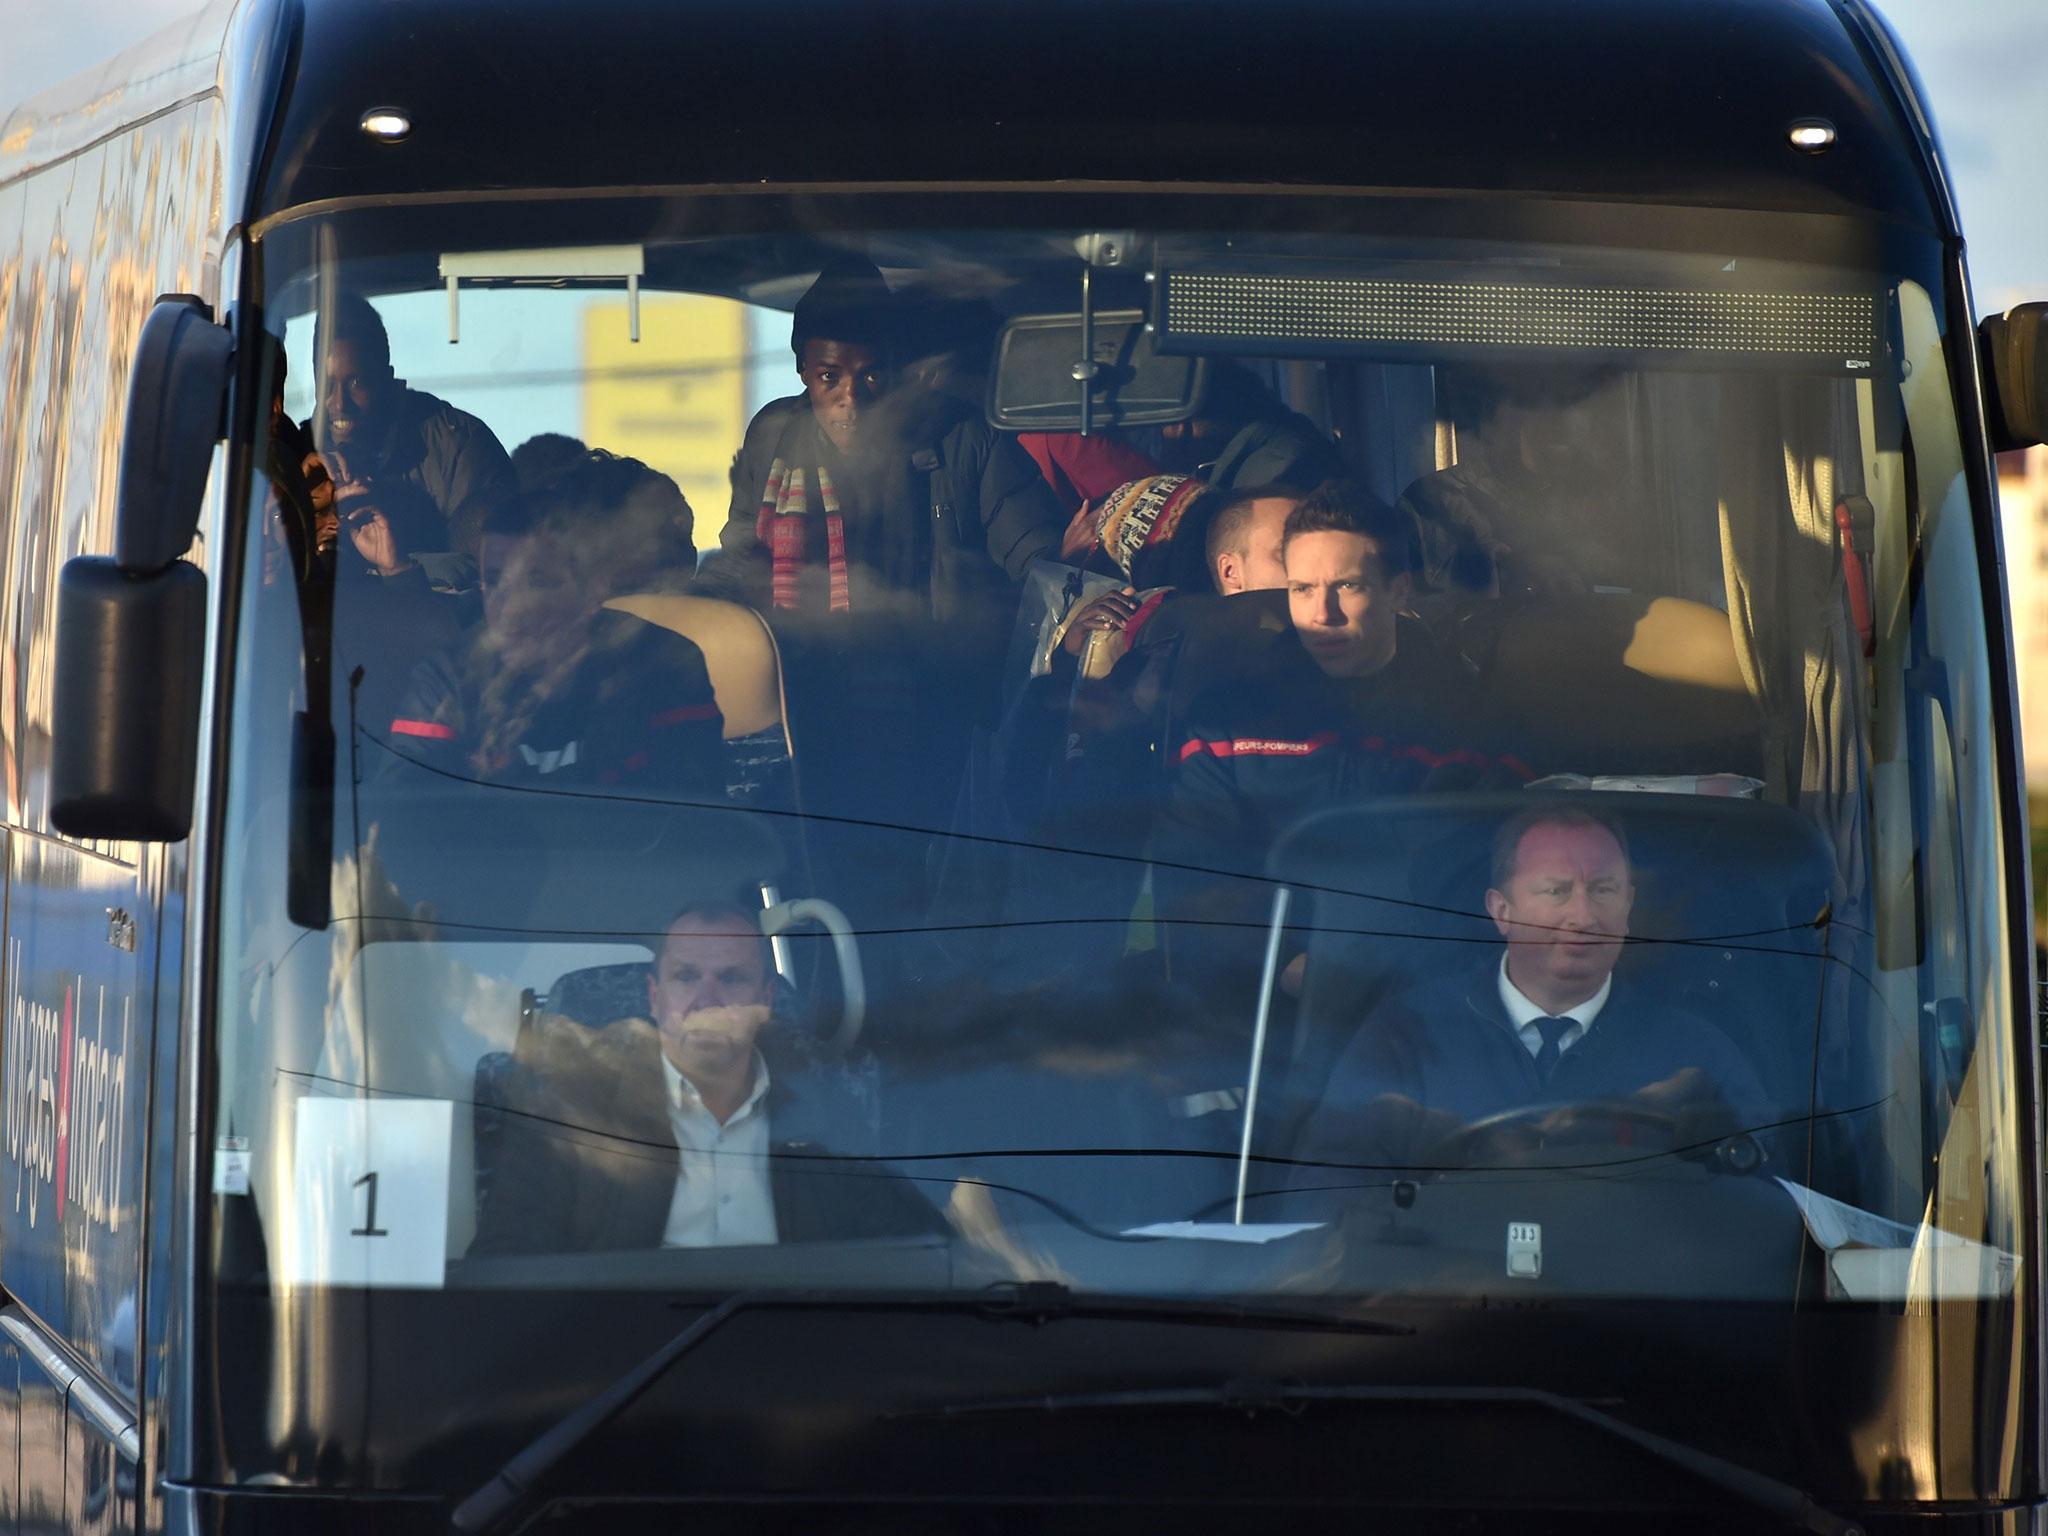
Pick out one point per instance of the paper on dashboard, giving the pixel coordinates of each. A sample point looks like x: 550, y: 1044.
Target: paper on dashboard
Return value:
x: 1872, y: 1258
x: 1225, y: 1231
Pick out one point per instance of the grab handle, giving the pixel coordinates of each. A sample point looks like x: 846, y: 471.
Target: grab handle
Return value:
x: 785, y: 915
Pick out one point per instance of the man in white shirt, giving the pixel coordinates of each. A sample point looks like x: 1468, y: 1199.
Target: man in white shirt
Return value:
x: 1560, y: 895
x: 708, y: 995
x: 581, y: 1166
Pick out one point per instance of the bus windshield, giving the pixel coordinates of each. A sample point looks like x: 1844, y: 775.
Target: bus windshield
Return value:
x: 1247, y: 747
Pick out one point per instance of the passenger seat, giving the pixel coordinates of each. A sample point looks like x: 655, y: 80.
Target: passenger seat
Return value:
x: 746, y: 678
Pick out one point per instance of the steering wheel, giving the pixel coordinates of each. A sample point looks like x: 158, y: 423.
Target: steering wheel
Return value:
x: 1549, y: 1119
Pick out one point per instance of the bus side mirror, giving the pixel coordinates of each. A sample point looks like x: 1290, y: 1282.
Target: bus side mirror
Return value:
x: 131, y: 628
x: 2016, y: 375
x: 124, y: 733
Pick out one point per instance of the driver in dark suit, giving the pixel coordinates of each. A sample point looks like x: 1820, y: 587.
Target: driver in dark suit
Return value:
x: 1542, y: 1021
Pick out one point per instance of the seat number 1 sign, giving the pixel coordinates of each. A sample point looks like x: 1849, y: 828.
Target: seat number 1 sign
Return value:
x: 369, y: 1193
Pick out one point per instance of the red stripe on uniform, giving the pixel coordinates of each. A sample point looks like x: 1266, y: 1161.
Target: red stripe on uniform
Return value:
x: 1259, y: 746
x: 426, y: 728
x: 684, y: 715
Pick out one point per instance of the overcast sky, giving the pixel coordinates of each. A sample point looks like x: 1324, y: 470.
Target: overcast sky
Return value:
x: 1985, y: 63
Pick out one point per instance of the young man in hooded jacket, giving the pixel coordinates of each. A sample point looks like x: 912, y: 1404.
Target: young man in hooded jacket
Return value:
x: 855, y: 497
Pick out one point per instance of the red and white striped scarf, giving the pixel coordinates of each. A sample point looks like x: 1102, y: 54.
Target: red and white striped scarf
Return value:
x: 782, y: 525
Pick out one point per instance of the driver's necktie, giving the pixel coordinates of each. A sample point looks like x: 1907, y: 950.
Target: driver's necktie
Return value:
x: 1552, y: 1030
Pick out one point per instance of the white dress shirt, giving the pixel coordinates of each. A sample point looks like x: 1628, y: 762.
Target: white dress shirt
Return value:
x: 722, y: 1193
x: 1523, y: 1014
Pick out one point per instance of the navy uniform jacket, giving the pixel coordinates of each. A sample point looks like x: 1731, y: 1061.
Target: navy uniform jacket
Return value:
x: 1276, y: 740
x: 1448, y: 1046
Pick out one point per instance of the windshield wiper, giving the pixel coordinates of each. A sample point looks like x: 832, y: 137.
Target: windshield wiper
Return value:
x: 1253, y: 1396
x: 493, y: 1505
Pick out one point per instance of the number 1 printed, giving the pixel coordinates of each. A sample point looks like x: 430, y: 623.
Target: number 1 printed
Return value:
x: 369, y: 1228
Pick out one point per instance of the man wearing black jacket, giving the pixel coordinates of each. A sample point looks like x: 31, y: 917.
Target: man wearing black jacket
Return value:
x: 379, y: 436
x: 883, y: 532
x: 1352, y: 702
x: 678, y: 1130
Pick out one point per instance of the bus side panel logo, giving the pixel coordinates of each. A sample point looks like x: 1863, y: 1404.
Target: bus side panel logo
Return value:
x: 32, y: 1049
x: 61, y: 1089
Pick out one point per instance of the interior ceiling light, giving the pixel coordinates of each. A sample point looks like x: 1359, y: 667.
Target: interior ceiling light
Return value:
x: 1812, y: 135
x: 387, y: 125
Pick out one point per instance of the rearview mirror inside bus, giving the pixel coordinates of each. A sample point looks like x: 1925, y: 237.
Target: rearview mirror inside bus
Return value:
x: 2016, y: 375
x: 1035, y: 386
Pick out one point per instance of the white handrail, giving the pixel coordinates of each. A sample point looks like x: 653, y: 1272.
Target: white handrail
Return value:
x: 785, y: 915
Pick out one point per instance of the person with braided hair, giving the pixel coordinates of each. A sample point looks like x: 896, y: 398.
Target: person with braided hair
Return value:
x: 553, y: 689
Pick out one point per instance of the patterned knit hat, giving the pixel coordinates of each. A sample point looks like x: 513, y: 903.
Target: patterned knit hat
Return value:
x: 1140, y: 517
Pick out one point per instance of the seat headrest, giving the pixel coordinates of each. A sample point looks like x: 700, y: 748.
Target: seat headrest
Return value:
x: 1696, y: 858
x: 739, y: 653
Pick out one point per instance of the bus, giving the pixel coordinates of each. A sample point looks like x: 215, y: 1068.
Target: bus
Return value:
x: 813, y: 767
